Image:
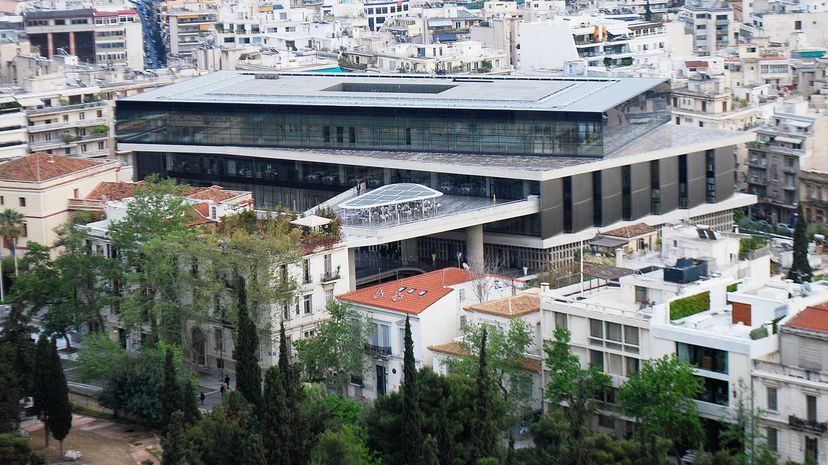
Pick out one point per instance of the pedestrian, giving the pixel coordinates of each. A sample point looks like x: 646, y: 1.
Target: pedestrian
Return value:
x: 359, y: 187
x: 227, y: 381
x: 201, y: 397
x: 221, y: 389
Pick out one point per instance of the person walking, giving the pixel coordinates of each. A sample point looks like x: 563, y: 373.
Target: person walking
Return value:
x: 201, y: 397
x: 227, y: 381
x: 221, y: 389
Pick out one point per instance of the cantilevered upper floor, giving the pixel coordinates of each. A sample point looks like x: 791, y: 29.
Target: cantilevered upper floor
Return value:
x: 548, y: 116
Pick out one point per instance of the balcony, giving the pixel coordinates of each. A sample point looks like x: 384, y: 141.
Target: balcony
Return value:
x: 757, y: 163
x: 378, y: 351
x: 330, y: 275
x: 807, y: 426
x: 758, y: 180
x: 62, y: 108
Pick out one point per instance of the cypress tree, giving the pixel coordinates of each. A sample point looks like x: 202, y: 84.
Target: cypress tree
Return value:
x: 171, y: 395
x: 412, y: 433
x: 189, y: 405
x: 276, y: 419
x: 248, y: 373
x: 298, y: 435
x: 9, y: 393
x: 284, y: 364
x: 800, y: 268
x: 174, y: 441
x: 40, y: 382
x: 17, y: 333
x: 59, y: 419
x: 485, y: 431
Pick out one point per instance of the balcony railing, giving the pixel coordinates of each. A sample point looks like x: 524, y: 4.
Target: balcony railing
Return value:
x: 378, y: 351
x: 808, y: 426
x: 60, y: 108
x: 330, y: 275
x: 757, y: 180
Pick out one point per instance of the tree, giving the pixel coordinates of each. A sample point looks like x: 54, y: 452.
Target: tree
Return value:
x: 171, y: 398
x: 486, y: 431
x: 800, y: 268
x: 9, y: 392
x: 11, y: 228
x: 59, y: 419
x: 227, y: 435
x: 344, y: 446
x: 660, y: 399
x: 16, y: 334
x: 276, y: 419
x: 189, y: 406
x: 16, y: 451
x: 34, y: 288
x: 248, y: 373
x: 337, y: 351
x: 575, y: 388
x: 411, y: 417
x: 174, y: 443
x: 51, y: 395
x: 506, y: 360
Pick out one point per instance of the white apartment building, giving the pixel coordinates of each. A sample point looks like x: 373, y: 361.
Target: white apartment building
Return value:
x: 463, y: 57
x: 498, y: 314
x: 185, y: 30
x: 618, y: 327
x: 13, y: 137
x: 433, y: 303
x: 707, y: 101
x: 791, y: 388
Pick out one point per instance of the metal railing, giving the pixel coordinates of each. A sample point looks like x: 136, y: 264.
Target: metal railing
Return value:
x: 59, y: 108
x: 378, y: 351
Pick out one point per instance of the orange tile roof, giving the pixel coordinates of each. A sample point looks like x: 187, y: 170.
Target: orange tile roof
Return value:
x: 628, y: 232
x: 112, y: 190
x: 454, y: 348
x: 200, y: 214
x: 521, y: 304
x: 813, y: 318
x: 43, y: 167
x: 214, y: 193
x: 387, y: 295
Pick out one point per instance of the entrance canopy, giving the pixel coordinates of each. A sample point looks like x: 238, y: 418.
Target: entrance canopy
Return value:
x: 389, y: 195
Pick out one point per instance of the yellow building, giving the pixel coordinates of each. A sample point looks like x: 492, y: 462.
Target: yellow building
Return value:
x: 40, y: 187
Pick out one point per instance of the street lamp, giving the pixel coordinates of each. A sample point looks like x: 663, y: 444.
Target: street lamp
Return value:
x: 459, y: 256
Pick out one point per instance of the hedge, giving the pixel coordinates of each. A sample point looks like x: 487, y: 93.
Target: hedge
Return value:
x: 690, y: 305
x: 733, y: 287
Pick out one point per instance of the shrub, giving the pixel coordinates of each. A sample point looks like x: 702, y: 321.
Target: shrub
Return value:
x: 689, y: 305
x: 733, y: 287
x: 759, y: 333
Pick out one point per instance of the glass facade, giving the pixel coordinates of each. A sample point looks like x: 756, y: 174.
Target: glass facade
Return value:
x: 507, y: 132
x: 302, y: 185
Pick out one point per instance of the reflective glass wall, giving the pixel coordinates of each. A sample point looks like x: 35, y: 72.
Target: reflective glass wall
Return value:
x: 302, y: 185
x: 393, y: 129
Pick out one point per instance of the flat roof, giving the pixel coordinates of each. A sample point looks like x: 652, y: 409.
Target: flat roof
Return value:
x: 420, y: 91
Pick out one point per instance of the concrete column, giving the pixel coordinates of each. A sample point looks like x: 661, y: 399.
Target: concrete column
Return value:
x: 342, y: 178
x: 435, y: 181
x: 386, y: 175
x: 299, y: 174
x: 526, y: 189
x: 351, y: 269
x: 474, y: 247
x: 71, y: 43
x: 50, y: 45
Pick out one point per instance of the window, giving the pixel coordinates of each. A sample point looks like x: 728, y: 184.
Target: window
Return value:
x: 631, y: 365
x: 329, y: 295
x: 703, y: 358
x: 75, y: 193
x: 560, y: 320
x: 811, y: 407
x: 797, y: 25
x: 101, y: 145
x: 616, y: 364
x: 22, y: 201
x: 773, y: 439
x: 81, y: 116
x: 596, y: 359
x: 219, y: 340
x: 83, y: 148
x: 2, y: 200
x: 307, y: 304
x: 380, y: 336
x: 596, y: 331
x: 772, y: 399
x: 614, y: 335
x: 25, y: 230
x: 306, y: 276
x: 605, y: 421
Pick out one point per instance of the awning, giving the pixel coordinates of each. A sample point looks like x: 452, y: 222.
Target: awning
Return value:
x: 607, y: 272
x: 800, y: 124
x: 311, y: 221
x: 788, y: 140
x: 440, y: 22
x: 618, y: 29
x: 609, y: 242
x: 30, y: 102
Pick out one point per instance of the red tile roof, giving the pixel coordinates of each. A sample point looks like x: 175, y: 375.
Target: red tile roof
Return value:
x: 813, y: 318
x: 696, y: 64
x: 43, y: 167
x: 113, y: 190
x: 387, y: 295
x: 628, y: 232
x: 200, y: 214
x: 214, y: 193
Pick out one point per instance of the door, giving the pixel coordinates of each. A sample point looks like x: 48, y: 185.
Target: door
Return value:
x: 381, y: 380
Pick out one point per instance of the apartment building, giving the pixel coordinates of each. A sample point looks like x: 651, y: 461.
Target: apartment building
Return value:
x: 99, y: 36
x: 618, y: 327
x: 40, y: 187
x: 791, y: 388
x: 790, y: 141
x: 456, y: 57
x: 813, y: 195
x: 711, y: 25
x: 13, y: 136
x: 707, y: 101
x: 185, y: 30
